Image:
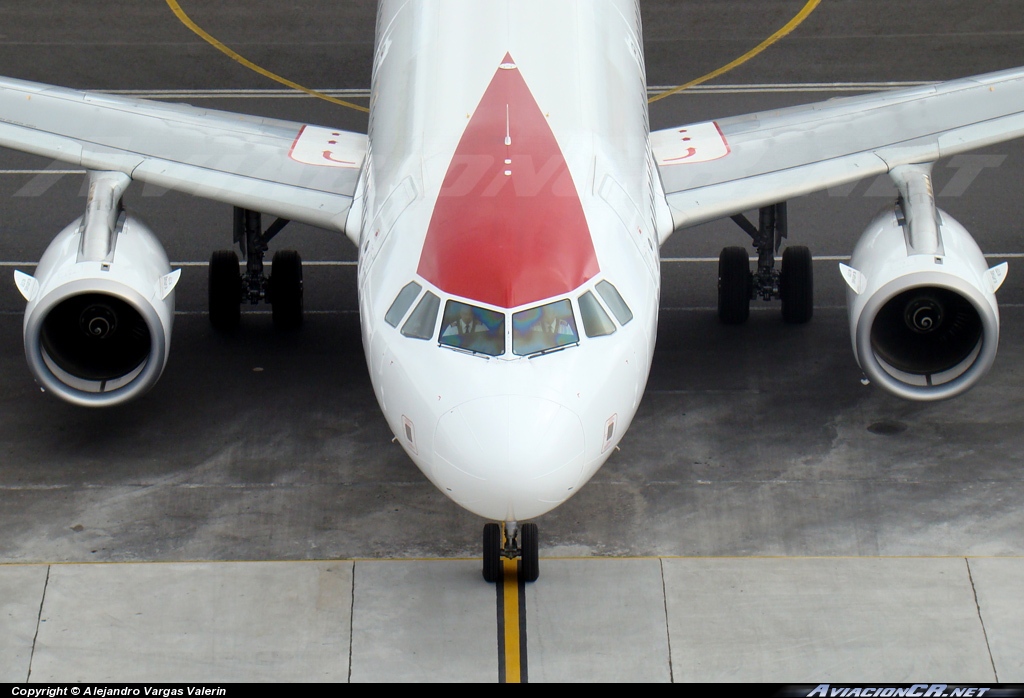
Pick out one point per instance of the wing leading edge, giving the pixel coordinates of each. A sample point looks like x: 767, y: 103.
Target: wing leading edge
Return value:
x: 295, y: 171
x: 718, y: 169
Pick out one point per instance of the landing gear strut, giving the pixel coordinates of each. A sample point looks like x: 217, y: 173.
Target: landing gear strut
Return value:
x: 516, y: 541
x: 793, y: 284
x: 229, y: 287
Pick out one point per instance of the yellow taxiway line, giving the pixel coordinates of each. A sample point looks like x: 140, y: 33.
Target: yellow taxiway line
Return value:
x: 208, y: 38
x: 183, y: 17
x: 790, y: 26
x: 511, y: 626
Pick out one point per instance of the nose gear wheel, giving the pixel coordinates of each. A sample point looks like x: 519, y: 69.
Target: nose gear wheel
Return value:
x: 522, y: 544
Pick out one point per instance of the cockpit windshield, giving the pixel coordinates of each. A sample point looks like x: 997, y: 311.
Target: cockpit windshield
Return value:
x: 544, y: 328
x: 402, y: 303
x: 474, y: 329
x: 420, y: 324
x: 535, y: 331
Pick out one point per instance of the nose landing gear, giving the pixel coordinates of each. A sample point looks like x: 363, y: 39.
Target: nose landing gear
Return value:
x: 515, y: 541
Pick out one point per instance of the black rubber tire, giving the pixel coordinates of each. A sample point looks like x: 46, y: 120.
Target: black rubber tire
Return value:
x: 734, y: 284
x: 529, y: 552
x: 796, y: 285
x: 285, y: 289
x: 225, y: 291
x: 492, y: 552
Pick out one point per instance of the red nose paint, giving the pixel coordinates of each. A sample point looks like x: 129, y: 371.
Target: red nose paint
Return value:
x: 508, y: 227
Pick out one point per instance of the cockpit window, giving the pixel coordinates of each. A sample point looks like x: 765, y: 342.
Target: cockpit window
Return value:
x: 596, y: 322
x: 473, y: 329
x: 401, y: 305
x: 420, y: 324
x: 544, y: 328
x: 618, y: 306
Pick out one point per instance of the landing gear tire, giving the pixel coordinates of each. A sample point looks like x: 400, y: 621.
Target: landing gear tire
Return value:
x: 492, y: 552
x: 796, y: 285
x: 529, y: 562
x: 225, y: 291
x: 285, y: 286
x: 733, y: 286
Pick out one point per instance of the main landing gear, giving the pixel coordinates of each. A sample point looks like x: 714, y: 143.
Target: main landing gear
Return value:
x: 793, y: 284
x: 515, y: 541
x: 229, y: 287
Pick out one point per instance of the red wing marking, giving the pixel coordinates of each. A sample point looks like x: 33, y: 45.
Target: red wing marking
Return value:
x: 312, y: 146
x: 696, y: 143
x: 328, y: 155
x: 508, y: 227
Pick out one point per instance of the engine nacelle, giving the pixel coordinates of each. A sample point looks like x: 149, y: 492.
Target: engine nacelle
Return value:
x: 100, y: 310
x: 924, y: 324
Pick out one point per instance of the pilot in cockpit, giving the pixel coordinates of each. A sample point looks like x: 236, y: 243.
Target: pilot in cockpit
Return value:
x: 466, y: 323
x: 552, y: 323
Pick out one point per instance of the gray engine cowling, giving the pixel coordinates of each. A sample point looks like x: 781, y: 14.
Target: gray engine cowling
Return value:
x: 925, y: 326
x: 97, y: 327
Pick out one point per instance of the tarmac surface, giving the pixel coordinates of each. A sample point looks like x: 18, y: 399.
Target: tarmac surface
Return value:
x: 767, y: 517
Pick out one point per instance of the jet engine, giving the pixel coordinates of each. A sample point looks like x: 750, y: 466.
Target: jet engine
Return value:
x: 923, y: 315
x: 97, y: 327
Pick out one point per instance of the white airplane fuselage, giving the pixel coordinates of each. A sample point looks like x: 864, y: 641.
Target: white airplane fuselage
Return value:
x: 509, y: 168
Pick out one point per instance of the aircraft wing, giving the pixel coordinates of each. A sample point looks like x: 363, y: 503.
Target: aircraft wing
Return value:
x: 292, y: 170
x: 717, y: 169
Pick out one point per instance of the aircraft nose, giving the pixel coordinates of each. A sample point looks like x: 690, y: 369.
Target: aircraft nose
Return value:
x: 509, y: 457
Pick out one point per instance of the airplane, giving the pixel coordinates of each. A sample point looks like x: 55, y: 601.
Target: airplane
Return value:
x: 508, y: 202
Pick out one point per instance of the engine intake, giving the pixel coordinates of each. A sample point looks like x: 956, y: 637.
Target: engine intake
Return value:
x: 100, y: 306
x: 925, y: 326
x: 927, y: 331
x: 96, y: 337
